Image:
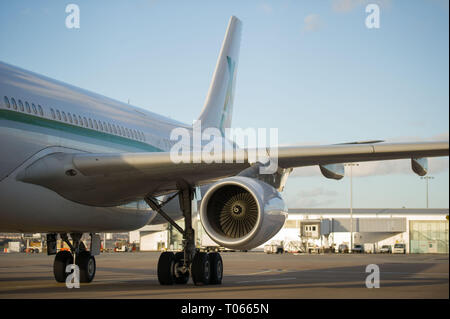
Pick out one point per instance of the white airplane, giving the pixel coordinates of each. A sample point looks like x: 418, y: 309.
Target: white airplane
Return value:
x: 75, y: 162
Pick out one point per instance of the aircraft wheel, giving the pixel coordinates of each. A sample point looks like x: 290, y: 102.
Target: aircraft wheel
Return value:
x: 180, y: 278
x: 215, y: 260
x: 62, y: 259
x: 201, y: 270
x: 166, y: 265
x: 87, y: 266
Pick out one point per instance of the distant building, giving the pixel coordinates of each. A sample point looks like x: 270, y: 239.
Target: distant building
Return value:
x: 421, y: 230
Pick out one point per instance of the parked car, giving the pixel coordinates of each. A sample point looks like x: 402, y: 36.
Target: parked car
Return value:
x: 386, y: 249
x: 357, y: 249
x: 343, y: 249
x: 399, y: 249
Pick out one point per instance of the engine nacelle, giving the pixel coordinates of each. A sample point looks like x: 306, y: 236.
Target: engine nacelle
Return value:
x: 242, y: 213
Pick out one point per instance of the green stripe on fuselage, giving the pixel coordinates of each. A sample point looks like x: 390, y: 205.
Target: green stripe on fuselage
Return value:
x: 76, y: 130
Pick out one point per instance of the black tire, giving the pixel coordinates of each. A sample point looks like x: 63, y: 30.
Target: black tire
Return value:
x: 216, y: 264
x: 201, y: 269
x: 62, y: 259
x: 180, y: 278
x: 87, y: 266
x: 166, y: 264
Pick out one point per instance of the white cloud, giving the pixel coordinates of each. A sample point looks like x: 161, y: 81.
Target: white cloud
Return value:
x: 435, y: 166
x: 313, y: 23
x: 317, y: 197
x: 344, y: 6
x: 443, y: 3
x: 267, y: 8
x: 320, y: 191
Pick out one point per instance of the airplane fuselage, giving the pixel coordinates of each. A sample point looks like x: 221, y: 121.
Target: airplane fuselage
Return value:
x: 39, y: 116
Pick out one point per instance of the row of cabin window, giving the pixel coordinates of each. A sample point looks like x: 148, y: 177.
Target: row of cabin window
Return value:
x: 97, y: 125
x: 19, y: 105
x: 102, y: 126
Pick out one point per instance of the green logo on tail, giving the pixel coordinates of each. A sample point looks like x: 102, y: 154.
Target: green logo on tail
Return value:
x: 228, y: 105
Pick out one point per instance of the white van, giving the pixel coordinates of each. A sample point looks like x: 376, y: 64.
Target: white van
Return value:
x: 399, y: 249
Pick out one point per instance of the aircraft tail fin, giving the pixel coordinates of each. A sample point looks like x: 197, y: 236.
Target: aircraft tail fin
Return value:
x: 218, y: 108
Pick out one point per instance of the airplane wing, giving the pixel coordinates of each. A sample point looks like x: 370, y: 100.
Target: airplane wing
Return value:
x: 112, y: 179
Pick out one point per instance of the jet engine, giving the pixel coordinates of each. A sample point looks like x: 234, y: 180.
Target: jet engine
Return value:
x: 242, y: 213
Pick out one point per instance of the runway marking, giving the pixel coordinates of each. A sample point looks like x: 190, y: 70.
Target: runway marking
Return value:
x: 265, y: 271
x: 381, y: 272
x: 274, y: 279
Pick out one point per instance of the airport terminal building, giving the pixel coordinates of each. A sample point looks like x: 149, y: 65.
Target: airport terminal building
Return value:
x: 310, y: 229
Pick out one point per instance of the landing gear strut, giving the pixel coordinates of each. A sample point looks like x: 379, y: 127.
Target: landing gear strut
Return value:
x: 83, y: 258
x: 205, y: 268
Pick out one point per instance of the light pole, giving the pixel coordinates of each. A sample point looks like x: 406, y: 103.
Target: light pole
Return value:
x: 426, y: 178
x: 351, y: 203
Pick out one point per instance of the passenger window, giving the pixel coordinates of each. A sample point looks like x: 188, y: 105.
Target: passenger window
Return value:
x: 58, y: 114
x: 64, y: 116
x: 27, y: 106
x: 20, y: 106
x: 7, y: 102
x: 41, y: 111
x: 14, y: 103
x: 53, y: 113
x: 34, y: 108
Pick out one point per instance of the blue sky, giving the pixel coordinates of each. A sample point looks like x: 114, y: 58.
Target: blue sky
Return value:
x: 309, y: 68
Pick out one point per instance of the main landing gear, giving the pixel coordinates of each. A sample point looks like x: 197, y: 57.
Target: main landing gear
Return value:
x: 83, y: 258
x: 175, y: 268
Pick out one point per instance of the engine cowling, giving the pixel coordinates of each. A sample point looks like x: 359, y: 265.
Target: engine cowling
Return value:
x: 242, y: 213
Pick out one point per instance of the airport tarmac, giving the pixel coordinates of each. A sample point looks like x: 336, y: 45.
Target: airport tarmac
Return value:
x: 246, y: 275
